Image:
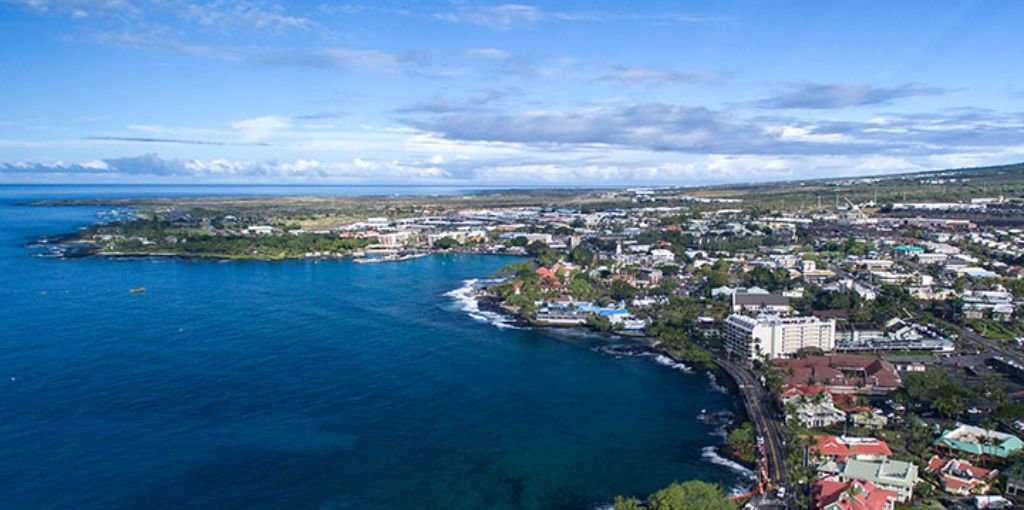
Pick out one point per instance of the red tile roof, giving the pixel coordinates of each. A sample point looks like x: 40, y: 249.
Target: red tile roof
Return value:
x: 852, y: 495
x: 832, y: 370
x: 842, y: 448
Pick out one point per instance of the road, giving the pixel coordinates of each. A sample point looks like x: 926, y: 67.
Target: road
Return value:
x: 759, y: 403
x: 992, y: 346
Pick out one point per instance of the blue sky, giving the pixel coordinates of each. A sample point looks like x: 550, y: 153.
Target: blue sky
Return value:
x: 504, y: 93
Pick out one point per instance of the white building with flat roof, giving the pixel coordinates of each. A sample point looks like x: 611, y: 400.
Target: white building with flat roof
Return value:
x: 772, y: 337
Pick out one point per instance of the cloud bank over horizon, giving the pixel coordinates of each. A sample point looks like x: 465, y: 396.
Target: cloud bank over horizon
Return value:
x: 249, y: 91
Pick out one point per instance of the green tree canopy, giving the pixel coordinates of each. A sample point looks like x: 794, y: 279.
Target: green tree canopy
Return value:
x: 692, y: 495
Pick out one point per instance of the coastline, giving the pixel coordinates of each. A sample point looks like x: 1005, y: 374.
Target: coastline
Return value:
x: 503, y: 316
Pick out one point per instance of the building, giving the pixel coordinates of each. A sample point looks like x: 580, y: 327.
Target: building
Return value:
x: 893, y: 475
x: 394, y: 239
x: 1015, y: 479
x: 978, y: 442
x: 832, y: 494
x: 870, y: 420
x: 817, y: 412
x: 662, y: 256
x: 842, y: 448
x: 760, y: 303
x: 960, y: 476
x: 775, y: 337
x: 842, y: 373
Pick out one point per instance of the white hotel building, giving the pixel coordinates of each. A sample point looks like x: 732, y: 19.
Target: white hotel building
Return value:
x: 772, y: 337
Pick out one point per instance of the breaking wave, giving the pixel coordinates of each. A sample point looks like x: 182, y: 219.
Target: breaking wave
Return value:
x: 710, y: 454
x: 714, y: 383
x: 661, y: 359
x: 467, y: 302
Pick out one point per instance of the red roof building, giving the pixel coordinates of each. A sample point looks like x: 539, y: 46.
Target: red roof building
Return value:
x: 960, y: 476
x: 842, y: 373
x: 862, y: 448
x: 831, y: 494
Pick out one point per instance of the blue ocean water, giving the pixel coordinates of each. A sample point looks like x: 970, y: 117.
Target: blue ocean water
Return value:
x: 320, y: 385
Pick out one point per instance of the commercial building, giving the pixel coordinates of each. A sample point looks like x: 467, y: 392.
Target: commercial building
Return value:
x: 771, y: 337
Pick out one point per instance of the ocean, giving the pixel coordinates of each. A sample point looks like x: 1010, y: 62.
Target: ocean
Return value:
x: 314, y: 384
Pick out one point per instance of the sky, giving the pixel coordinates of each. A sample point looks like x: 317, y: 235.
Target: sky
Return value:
x: 491, y: 93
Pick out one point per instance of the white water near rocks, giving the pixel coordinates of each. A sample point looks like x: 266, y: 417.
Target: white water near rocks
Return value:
x: 468, y: 302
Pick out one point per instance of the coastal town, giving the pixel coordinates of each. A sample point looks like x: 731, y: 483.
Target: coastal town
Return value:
x: 877, y: 342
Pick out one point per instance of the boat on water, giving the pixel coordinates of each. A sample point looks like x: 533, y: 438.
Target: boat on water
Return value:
x: 389, y: 258
x: 137, y: 290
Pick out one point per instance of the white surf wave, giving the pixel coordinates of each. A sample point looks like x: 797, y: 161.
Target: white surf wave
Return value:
x: 661, y: 359
x: 467, y: 302
x: 714, y: 383
x: 710, y: 454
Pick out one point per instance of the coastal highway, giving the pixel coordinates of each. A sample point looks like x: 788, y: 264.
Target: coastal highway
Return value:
x: 758, y: 403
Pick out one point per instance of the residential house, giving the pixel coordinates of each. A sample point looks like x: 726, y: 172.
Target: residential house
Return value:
x: 960, y: 476
x: 894, y: 475
x: 841, y: 448
x: 817, y: 412
x: 832, y: 494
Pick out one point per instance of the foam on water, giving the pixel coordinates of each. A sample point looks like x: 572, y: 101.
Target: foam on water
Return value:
x: 714, y: 384
x: 467, y: 302
x: 662, y: 359
x: 710, y: 454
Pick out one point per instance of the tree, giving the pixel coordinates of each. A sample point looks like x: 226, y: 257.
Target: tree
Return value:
x: 692, y: 495
x: 582, y: 256
x: 741, y: 442
x: 445, y: 243
x: 621, y: 290
x: 623, y: 503
x: 950, y: 405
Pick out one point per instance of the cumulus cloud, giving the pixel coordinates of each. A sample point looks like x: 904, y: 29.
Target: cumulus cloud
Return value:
x: 831, y: 96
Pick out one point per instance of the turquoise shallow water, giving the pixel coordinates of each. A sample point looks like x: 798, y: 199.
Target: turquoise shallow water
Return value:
x: 317, y: 385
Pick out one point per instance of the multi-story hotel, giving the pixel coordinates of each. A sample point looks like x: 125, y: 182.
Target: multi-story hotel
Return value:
x: 772, y: 337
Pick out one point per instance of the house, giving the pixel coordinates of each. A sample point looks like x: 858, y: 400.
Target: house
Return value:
x: 817, y: 412
x: 960, y: 476
x: 841, y: 448
x: 894, y: 475
x: 832, y: 494
x: 978, y: 442
x: 794, y: 391
x: 870, y: 420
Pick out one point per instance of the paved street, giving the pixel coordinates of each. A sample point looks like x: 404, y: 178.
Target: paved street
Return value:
x: 759, y: 406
